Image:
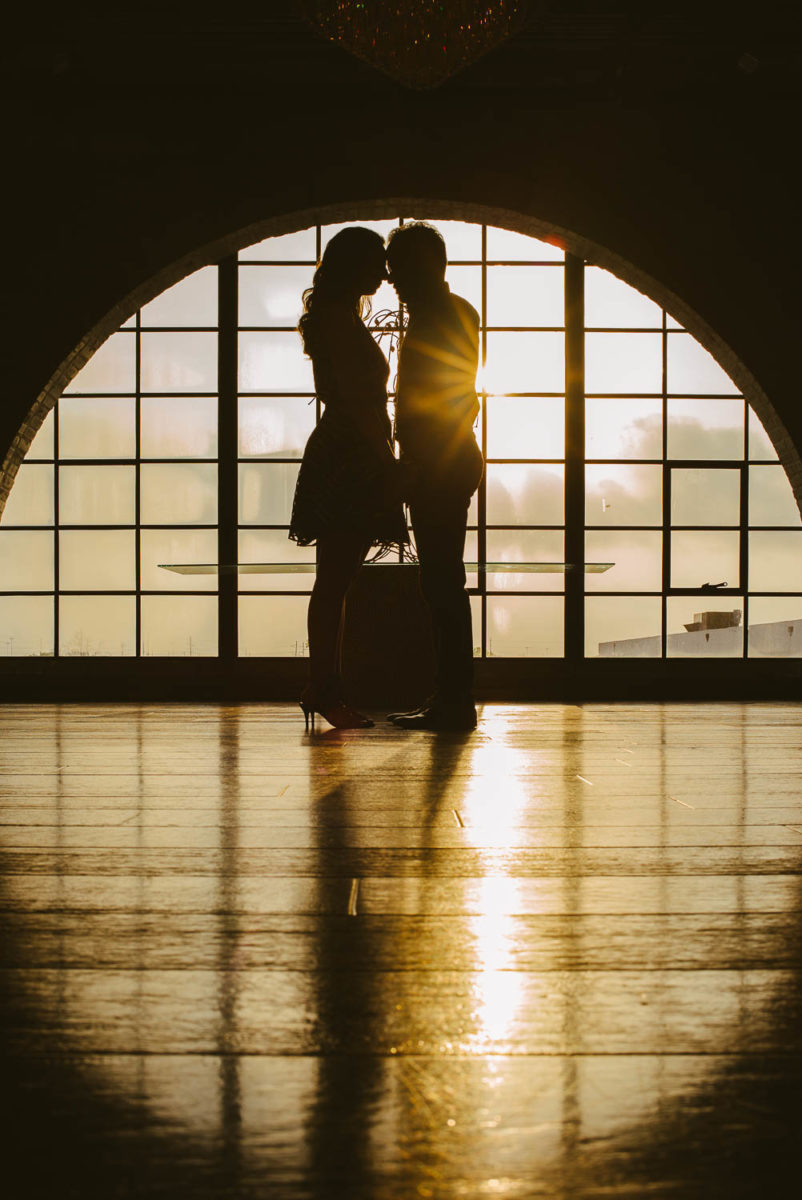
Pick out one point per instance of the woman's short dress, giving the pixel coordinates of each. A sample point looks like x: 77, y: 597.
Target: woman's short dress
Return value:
x: 344, y: 484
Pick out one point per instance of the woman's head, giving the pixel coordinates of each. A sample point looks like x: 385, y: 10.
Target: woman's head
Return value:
x: 352, y: 267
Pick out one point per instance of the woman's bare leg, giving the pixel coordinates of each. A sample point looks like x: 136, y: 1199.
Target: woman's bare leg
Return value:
x: 339, y: 558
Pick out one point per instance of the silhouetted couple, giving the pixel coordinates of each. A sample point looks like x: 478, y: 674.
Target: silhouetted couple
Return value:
x: 351, y: 487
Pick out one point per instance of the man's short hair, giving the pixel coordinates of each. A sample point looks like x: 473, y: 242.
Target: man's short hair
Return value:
x: 420, y: 242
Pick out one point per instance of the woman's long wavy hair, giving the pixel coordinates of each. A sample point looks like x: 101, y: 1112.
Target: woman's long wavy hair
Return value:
x: 337, y: 278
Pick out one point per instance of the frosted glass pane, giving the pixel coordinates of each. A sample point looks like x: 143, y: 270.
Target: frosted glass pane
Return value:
x: 97, y: 560
x: 525, y: 545
x: 30, y: 501
x: 525, y: 427
x: 274, y: 426
x: 386, y: 298
x: 26, y: 560
x: 705, y: 497
x: 522, y: 296
x: 704, y: 428
x: 42, y: 444
x: 476, y: 624
x: 524, y: 626
x: 273, y: 362
x: 266, y: 492
x: 176, y: 546
x: 179, y: 362
x: 179, y: 626
x: 96, y: 427
x: 524, y: 362
x: 299, y: 246
x: 775, y: 561
x: 623, y: 428
x: 705, y: 557
x: 471, y: 554
x: 178, y: 494
x: 382, y: 227
x: 692, y: 370
x: 505, y: 245
x: 26, y: 626
x: 178, y: 427
x: 718, y: 631
x: 97, y: 625
x: 775, y: 627
x: 519, y: 494
x: 272, y: 295
x: 636, y: 555
x: 623, y: 495
x: 609, y: 302
x: 273, y: 546
x: 623, y: 627
x: 623, y: 362
x: 193, y: 301
x: 760, y: 444
x: 463, y: 238
x: 273, y: 627
x: 112, y: 368
x: 97, y: 495
x: 771, y: 498
x: 466, y: 282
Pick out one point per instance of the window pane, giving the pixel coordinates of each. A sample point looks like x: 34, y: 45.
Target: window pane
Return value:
x: 273, y: 362
x: 299, y: 246
x: 692, y: 370
x: 705, y: 497
x: 637, y: 559
x: 716, y: 627
x: 609, y: 302
x: 273, y: 546
x: 178, y: 362
x: 775, y: 561
x: 97, y: 625
x: 623, y: 362
x: 775, y: 627
x: 530, y: 546
x: 476, y: 624
x: 26, y: 560
x: 274, y: 426
x: 760, y: 444
x: 178, y: 494
x: 623, y: 428
x: 178, y: 426
x: 524, y: 626
x: 524, y: 296
x: 525, y: 427
x: 112, y: 368
x: 266, y: 492
x: 505, y: 245
x: 273, y: 626
x: 176, y: 546
x: 97, y: 495
x: 705, y: 557
x: 30, y: 501
x: 96, y: 427
x: 463, y: 281
x: 617, y: 494
x: 704, y: 428
x: 471, y: 554
x: 381, y: 227
x: 771, y: 497
x: 525, y: 362
x: 463, y: 238
x: 179, y: 626
x: 193, y: 301
x: 42, y: 444
x: 26, y: 626
x: 272, y: 295
x: 519, y: 494
x: 97, y: 560
x: 623, y: 627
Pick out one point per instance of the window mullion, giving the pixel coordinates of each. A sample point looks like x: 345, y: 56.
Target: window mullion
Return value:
x: 227, y: 549
x: 574, y: 457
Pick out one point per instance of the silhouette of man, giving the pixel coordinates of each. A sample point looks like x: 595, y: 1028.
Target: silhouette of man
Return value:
x: 436, y: 407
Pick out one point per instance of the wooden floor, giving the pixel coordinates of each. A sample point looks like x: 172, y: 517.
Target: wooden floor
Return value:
x: 559, y: 957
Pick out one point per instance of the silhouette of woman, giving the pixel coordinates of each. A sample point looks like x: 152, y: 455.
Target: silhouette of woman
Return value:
x: 347, y: 497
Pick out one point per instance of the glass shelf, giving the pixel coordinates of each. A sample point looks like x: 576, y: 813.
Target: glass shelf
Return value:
x: 309, y: 568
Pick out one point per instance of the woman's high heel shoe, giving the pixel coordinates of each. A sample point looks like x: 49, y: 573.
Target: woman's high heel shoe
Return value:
x: 335, y: 710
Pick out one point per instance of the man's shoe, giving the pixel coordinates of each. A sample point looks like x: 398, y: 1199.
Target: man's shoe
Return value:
x: 452, y: 718
x: 413, y: 712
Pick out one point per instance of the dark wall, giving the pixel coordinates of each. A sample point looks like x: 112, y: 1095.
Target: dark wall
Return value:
x: 142, y: 144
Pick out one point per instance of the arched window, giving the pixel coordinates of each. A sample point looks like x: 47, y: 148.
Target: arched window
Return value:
x: 641, y: 500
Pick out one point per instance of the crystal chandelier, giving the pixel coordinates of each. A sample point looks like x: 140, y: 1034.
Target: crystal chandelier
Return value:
x: 420, y: 43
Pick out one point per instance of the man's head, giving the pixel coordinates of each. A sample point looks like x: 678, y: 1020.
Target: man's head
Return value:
x: 416, y: 258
